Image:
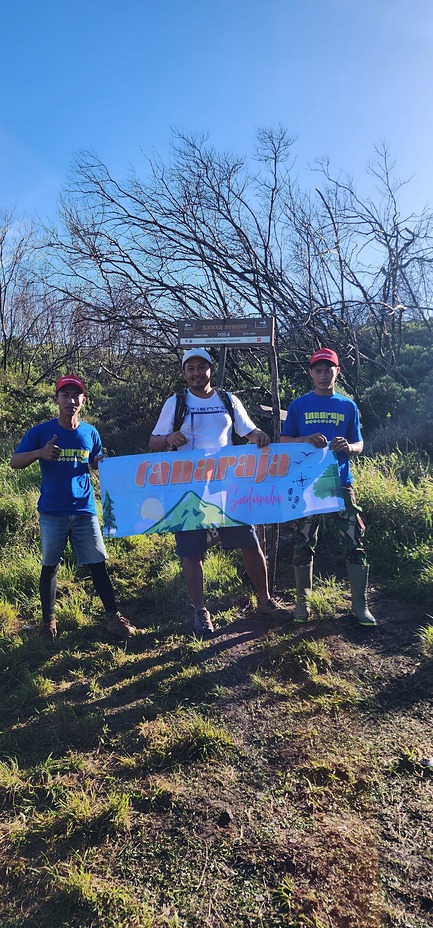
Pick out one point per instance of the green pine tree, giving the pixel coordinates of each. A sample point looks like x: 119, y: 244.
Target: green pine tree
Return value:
x: 328, y: 484
x: 109, y: 518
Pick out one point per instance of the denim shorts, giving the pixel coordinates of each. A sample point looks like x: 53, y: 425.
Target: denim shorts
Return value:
x: 83, y: 531
x: 194, y: 543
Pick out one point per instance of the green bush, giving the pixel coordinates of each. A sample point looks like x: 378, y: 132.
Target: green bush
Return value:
x: 125, y: 413
x: 384, y: 400
x: 18, y: 505
x: 396, y: 496
x: 23, y: 405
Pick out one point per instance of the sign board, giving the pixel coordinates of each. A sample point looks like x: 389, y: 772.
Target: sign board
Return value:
x: 238, y: 485
x: 243, y: 331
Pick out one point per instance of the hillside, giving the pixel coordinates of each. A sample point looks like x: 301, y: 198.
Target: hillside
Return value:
x: 271, y: 776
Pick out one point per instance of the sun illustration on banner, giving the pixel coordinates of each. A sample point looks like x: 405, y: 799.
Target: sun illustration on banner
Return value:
x: 151, y: 509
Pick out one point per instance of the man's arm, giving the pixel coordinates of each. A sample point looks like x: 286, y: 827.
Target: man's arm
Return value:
x: 259, y: 438
x: 164, y: 442
x: 98, y: 453
x: 50, y: 452
x: 163, y: 438
x: 97, y: 460
x: 340, y: 444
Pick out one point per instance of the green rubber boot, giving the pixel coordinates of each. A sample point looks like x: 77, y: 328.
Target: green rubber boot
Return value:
x: 304, y: 586
x: 358, y: 577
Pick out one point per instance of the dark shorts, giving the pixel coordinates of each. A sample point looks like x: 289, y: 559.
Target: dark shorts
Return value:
x: 194, y: 543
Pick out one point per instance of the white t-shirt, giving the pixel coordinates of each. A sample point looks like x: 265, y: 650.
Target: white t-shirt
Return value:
x: 207, y: 424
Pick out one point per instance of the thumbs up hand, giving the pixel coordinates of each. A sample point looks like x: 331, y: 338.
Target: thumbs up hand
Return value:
x: 50, y: 451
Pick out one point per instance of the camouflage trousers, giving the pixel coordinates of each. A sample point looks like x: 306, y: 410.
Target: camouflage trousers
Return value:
x: 350, y: 526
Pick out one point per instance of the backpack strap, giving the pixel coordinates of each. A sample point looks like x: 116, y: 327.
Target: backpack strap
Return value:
x: 180, y: 410
x: 224, y: 396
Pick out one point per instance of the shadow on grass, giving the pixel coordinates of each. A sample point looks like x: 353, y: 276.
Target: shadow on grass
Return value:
x: 168, y: 679
x: 405, y: 692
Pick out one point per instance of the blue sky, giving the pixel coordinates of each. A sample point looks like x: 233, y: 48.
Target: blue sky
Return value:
x: 114, y: 78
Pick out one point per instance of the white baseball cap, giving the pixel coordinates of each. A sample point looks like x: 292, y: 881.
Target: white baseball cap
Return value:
x: 196, y: 353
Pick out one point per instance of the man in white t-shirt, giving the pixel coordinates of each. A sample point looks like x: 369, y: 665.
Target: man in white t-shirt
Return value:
x: 208, y: 426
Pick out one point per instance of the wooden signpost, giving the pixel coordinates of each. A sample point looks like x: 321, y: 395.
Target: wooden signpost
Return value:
x: 255, y: 330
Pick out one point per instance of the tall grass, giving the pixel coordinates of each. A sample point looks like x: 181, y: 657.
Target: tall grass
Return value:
x: 19, y: 578
x: 395, y: 492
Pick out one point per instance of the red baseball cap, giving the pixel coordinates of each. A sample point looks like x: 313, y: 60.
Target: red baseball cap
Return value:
x: 325, y: 354
x: 70, y: 380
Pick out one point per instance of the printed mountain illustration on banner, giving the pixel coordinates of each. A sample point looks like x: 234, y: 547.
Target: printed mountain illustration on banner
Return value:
x: 192, y: 512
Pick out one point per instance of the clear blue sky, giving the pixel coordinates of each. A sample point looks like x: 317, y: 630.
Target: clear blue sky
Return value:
x: 114, y: 77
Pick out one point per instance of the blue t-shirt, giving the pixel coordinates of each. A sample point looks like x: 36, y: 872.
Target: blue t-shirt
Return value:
x: 331, y: 416
x: 66, y: 488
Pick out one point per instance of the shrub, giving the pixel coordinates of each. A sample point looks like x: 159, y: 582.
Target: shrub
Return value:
x: 384, y: 400
x: 398, y: 512
x: 23, y: 406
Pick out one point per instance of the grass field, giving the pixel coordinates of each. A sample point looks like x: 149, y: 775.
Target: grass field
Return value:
x: 272, y: 776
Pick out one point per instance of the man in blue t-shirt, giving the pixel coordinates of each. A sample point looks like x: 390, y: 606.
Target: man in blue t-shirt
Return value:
x: 324, y: 417
x: 65, y: 449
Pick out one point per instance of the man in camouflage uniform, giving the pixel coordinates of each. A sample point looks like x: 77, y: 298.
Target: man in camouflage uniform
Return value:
x: 324, y: 417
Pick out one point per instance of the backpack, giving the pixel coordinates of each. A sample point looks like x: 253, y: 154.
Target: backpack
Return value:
x: 181, y: 411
